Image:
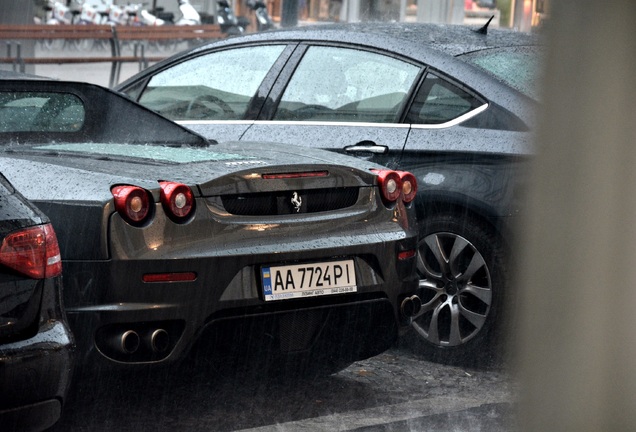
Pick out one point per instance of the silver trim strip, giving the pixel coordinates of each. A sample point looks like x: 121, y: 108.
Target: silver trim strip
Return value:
x: 447, y: 124
x: 453, y: 122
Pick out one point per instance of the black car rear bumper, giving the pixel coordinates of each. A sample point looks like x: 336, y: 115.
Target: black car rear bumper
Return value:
x: 35, y: 375
x: 306, y: 340
x: 354, y: 327
x: 145, y: 323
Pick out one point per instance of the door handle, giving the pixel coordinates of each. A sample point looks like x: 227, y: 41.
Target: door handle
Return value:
x: 366, y: 147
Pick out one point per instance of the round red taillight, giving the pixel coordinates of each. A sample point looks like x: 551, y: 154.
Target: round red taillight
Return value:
x: 132, y: 203
x: 390, y: 185
x: 177, y: 200
x: 409, y: 186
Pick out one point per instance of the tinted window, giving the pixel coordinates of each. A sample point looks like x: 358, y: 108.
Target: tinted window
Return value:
x: 518, y: 67
x: 211, y: 87
x: 338, y: 84
x: 40, y: 112
x: 439, y: 101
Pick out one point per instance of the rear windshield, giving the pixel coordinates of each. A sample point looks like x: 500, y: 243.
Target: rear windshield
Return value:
x: 518, y: 67
x: 40, y: 112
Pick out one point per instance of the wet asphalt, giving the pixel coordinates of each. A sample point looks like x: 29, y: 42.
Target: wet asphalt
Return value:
x: 394, y: 391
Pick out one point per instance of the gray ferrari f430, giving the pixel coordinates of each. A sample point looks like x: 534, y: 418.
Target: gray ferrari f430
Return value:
x: 173, y: 244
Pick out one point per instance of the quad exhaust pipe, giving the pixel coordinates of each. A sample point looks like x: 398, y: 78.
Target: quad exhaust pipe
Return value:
x: 159, y: 341
x: 129, y: 342
x: 411, y: 306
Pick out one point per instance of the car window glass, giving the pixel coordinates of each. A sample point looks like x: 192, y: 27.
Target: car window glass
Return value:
x: 341, y: 84
x: 439, y: 101
x: 217, y: 86
x: 40, y: 112
x: 518, y: 67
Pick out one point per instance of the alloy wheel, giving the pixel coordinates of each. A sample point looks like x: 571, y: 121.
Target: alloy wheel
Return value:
x: 455, y: 289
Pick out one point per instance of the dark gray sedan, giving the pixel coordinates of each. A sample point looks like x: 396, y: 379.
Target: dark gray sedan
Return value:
x: 454, y: 105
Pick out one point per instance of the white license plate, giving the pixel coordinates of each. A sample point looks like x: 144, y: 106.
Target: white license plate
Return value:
x: 308, y: 280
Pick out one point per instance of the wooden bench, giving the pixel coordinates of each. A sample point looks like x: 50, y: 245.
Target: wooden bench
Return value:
x: 14, y: 34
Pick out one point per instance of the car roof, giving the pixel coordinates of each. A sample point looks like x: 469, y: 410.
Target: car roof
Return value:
x: 447, y: 38
x: 431, y: 44
x: 435, y: 45
x: 405, y: 38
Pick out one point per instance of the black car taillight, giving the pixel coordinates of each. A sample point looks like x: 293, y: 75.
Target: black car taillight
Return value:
x: 132, y: 203
x: 409, y: 186
x: 33, y: 252
x: 177, y: 200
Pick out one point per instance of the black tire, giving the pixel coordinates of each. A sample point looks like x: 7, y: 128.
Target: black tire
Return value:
x: 463, y: 273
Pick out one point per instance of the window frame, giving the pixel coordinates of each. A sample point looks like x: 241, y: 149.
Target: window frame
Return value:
x: 455, y: 121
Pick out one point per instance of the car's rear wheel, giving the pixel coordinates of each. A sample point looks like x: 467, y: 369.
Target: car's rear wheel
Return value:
x: 462, y: 273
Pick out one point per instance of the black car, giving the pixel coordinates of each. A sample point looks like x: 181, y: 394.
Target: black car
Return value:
x: 36, y: 344
x: 171, y: 242
x: 452, y: 104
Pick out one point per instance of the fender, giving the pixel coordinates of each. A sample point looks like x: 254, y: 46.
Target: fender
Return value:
x: 494, y: 190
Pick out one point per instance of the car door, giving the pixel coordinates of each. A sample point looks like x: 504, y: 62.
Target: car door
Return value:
x: 341, y: 98
x: 216, y: 93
